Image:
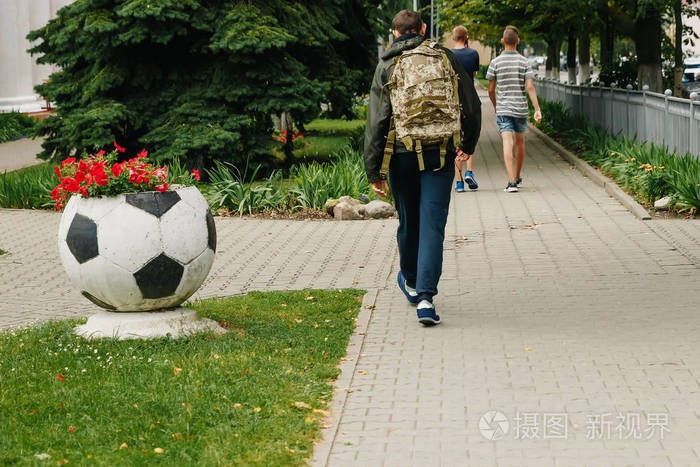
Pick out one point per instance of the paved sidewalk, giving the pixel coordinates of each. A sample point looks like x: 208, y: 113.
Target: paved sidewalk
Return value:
x: 18, y: 154
x: 555, y: 300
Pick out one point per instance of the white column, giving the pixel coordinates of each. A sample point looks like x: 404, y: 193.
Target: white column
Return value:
x: 15, y: 63
x: 19, y: 72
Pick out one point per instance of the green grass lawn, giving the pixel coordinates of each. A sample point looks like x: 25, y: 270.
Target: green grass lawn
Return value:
x: 333, y: 126
x: 14, y: 124
x: 2, y: 252
x: 321, y: 147
x: 255, y: 396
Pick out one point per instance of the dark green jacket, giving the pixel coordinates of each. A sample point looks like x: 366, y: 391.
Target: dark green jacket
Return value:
x: 379, y: 109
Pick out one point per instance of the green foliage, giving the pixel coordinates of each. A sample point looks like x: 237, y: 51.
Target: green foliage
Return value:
x: 196, y: 80
x: 14, y: 124
x: 318, y: 182
x: 649, y: 170
x: 236, y: 191
x: 235, y: 399
x: 2, y: 252
x: 28, y: 188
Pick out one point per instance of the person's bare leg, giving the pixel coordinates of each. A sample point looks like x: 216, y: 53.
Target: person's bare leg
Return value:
x: 507, y: 137
x: 458, y: 170
x: 470, y: 163
x: 519, y: 153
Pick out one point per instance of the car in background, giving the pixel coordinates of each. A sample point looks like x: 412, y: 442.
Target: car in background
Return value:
x: 692, y: 69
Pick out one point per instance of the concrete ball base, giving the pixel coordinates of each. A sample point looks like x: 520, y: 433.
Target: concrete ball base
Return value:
x: 146, y: 325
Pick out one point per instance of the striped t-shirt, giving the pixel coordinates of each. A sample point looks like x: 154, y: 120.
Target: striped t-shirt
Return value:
x: 510, y: 70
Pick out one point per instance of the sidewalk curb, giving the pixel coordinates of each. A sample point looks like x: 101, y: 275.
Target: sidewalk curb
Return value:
x: 322, y: 449
x: 608, y: 184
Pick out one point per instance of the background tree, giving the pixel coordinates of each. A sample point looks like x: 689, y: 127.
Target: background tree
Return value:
x: 198, y: 80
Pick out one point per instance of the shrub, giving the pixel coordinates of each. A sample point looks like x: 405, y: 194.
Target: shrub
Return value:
x: 15, y: 124
x: 647, y: 169
x: 28, y: 188
x: 196, y: 80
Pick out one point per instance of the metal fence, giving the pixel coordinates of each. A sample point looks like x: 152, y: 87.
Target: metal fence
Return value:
x: 644, y: 115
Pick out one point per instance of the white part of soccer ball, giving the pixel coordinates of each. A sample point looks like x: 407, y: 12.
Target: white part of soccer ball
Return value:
x: 97, y: 208
x: 122, y: 293
x: 68, y: 214
x: 192, y: 196
x: 184, y: 232
x: 195, y: 273
x: 129, y: 237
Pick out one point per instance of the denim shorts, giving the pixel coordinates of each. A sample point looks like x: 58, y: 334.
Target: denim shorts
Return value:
x: 512, y: 124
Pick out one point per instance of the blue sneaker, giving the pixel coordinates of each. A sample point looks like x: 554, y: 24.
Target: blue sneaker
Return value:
x: 471, y: 181
x: 459, y: 187
x: 426, y: 314
x: 411, y: 294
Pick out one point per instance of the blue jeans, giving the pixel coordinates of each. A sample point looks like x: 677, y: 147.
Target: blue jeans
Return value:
x: 512, y: 124
x: 422, y: 202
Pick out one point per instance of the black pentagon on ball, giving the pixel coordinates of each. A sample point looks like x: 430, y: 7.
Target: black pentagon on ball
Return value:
x: 211, y: 231
x: 155, y: 203
x: 82, y: 238
x: 98, y: 302
x: 160, y: 277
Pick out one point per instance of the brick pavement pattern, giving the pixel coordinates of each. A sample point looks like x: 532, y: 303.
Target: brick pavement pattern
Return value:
x: 555, y: 300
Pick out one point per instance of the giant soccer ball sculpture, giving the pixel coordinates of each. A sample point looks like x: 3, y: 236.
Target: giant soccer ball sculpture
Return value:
x: 138, y: 252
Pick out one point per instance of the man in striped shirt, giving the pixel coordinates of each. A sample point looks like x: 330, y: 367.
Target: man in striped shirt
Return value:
x: 513, y: 74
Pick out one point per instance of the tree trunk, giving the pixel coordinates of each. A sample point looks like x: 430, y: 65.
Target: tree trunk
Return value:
x: 678, y: 49
x: 584, y: 55
x: 647, y: 41
x: 607, y: 43
x: 552, y: 65
x: 571, y: 57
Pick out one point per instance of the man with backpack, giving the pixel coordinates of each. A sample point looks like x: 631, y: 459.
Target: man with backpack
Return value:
x: 423, y: 114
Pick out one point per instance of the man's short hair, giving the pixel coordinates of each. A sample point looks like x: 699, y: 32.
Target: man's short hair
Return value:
x: 510, y: 35
x: 460, y: 34
x: 407, y: 21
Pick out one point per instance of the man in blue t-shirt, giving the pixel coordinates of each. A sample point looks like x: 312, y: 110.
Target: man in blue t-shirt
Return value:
x: 469, y: 59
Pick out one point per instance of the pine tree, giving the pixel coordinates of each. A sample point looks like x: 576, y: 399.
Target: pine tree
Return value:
x: 194, y: 79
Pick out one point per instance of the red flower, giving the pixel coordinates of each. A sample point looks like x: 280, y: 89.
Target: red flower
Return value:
x: 80, y: 176
x: 119, y: 148
x: 101, y: 178
x: 102, y: 152
x: 301, y: 135
x: 117, y: 169
x: 71, y: 429
x: 69, y: 161
x: 163, y: 187
x: 284, y: 133
x: 55, y: 192
x: 142, y: 154
x: 60, y: 377
x: 82, y: 165
x: 58, y: 205
x: 58, y: 171
x: 70, y: 185
x: 83, y: 191
x: 195, y: 172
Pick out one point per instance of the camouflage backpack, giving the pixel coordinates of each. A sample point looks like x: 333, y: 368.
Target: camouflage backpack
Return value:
x: 425, y: 102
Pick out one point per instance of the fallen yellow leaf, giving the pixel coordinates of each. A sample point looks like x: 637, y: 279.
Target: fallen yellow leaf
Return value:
x: 158, y: 450
x: 124, y: 446
x: 257, y: 409
x: 177, y: 371
x: 302, y: 405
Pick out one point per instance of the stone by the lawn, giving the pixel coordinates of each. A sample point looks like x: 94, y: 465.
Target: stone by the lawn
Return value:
x: 349, y: 200
x: 663, y: 204
x: 345, y: 211
x: 330, y: 204
x: 377, y: 210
